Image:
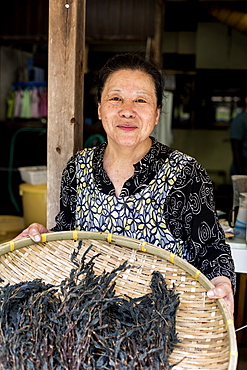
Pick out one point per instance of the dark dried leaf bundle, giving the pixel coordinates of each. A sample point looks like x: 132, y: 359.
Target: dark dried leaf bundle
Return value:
x: 86, y: 326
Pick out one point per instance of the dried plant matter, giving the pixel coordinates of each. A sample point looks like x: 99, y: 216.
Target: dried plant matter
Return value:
x: 82, y: 324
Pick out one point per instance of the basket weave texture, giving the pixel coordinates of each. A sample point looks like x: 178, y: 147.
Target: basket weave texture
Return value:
x: 205, y: 329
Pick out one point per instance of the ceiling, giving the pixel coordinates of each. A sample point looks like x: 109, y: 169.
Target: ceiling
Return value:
x: 185, y: 15
x: 24, y: 24
x: 26, y: 21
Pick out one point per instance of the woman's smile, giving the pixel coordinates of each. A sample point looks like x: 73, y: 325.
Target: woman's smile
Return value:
x: 127, y: 127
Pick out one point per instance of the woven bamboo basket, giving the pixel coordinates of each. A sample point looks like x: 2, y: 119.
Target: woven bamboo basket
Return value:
x: 204, y: 326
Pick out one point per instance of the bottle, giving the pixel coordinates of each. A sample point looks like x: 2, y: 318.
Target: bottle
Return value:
x: 240, y: 224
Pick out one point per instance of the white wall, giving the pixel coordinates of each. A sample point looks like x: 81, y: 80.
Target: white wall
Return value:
x: 219, y: 49
x: 211, y: 148
x: 212, y: 44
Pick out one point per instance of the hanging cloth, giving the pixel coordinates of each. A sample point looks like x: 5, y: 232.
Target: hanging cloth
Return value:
x: 18, y: 103
x: 163, y: 131
x: 26, y: 104
x: 35, y: 99
x: 43, y: 104
x: 10, y: 105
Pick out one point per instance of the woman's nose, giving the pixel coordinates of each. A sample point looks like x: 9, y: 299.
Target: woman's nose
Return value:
x: 127, y: 110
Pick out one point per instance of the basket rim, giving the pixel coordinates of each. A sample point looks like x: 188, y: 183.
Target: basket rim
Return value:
x: 145, y: 247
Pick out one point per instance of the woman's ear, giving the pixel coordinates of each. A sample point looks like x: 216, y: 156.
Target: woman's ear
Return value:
x: 158, y: 116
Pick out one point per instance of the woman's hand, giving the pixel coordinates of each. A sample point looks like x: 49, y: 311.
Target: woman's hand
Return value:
x: 223, y: 289
x: 34, y: 231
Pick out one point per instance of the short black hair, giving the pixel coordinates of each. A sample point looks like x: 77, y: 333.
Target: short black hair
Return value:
x: 133, y: 61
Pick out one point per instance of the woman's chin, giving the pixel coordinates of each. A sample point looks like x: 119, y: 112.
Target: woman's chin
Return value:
x: 130, y: 140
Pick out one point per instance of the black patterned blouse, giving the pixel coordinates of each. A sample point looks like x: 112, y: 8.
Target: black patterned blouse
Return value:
x: 168, y: 202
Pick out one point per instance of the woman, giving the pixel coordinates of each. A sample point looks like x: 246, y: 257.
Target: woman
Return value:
x: 135, y: 186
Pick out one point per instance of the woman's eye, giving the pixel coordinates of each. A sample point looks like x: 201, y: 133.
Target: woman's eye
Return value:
x: 141, y: 101
x: 115, y: 98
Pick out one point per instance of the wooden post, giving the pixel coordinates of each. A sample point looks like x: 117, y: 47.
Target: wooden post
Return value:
x: 65, y: 92
x: 156, y: 43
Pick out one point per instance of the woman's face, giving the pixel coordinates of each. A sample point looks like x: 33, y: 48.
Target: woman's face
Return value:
x: 128, y: 107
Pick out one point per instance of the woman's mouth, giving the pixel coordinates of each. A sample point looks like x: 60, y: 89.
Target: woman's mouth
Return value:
x: 127, y: 127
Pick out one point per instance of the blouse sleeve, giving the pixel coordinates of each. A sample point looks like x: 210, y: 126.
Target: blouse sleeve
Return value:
x: 65, y: 219
x: 191, y: 215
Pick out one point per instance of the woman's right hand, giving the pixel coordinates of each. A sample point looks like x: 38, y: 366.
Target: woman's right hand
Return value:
x: 34, y: 231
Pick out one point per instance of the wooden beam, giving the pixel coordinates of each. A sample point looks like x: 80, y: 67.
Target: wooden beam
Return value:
x: 156, y: 42
x: 65, y: 92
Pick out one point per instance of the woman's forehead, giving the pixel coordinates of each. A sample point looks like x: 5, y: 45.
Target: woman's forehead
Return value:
x: 129, y: 76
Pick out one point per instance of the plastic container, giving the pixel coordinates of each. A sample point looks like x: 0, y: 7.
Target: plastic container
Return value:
x: 34, y: 175
x: 10, y: 227
x: 241, y: 221
x: 34, y: 203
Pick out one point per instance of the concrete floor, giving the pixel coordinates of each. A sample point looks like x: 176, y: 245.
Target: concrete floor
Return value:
x: 242, y: 350
x: 241, y: 336
x: 242, y: 358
